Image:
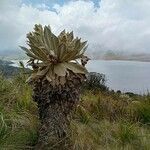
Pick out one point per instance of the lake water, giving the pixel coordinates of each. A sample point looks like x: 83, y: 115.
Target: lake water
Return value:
x: 127, y: 76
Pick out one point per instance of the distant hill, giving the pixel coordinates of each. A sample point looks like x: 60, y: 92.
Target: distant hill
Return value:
x: 7, y: 70
x: 118, y: 55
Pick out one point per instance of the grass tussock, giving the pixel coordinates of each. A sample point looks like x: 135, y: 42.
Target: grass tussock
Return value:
x: 107, y: 120
x: 103, y: 120
x: 18, y: 115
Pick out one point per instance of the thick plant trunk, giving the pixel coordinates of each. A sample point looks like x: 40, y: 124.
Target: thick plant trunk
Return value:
x: 55, y: 108
x: 54, y: 132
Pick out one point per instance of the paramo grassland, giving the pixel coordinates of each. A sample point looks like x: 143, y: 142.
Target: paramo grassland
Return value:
x: 103, y: 120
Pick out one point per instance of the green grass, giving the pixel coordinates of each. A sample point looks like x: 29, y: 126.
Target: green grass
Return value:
x: 103, y: 120
x: 18, y: 115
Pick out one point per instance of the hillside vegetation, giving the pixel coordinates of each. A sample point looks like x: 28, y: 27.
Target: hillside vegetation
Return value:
x: 103, y: 120
x: 7, y: 70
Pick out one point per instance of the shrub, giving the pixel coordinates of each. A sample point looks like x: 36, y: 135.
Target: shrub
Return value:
x: 96, y: 81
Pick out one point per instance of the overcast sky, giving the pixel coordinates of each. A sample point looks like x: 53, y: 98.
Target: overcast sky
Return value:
x: 122, y: 25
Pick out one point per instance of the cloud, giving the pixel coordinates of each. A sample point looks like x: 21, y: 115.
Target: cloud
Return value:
x: 121, y: 25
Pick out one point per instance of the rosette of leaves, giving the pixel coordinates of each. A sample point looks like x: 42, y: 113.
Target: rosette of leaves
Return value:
x: 52, y: 57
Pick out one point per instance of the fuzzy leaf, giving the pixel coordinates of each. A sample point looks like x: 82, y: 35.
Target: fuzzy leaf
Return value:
x: 50, y: 74
x: 76, y: 68
x: 60, y: 69
x: 47, y: 37
x: 42, y: 72
x: 29, y: 53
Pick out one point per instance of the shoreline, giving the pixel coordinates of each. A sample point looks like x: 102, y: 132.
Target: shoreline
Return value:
x: 130, y: 60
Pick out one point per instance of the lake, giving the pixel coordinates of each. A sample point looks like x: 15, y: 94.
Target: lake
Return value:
x: 127, y: 76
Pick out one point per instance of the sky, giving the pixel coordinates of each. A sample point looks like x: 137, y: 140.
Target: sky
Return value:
x: 119, y: 25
